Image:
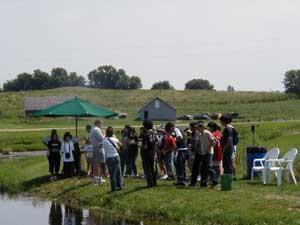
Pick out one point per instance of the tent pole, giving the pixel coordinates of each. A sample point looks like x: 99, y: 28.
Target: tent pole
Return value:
x: 76, y: 123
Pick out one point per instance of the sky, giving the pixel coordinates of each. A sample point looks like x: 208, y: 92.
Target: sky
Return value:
x: 248, y: 44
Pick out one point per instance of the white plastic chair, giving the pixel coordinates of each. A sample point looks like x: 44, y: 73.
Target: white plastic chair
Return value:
x: 261, y: 167
x: 286, y: 164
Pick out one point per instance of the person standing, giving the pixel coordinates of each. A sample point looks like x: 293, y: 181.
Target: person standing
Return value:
x: 235, y: 141
x: 54, y: 146
x: 207, y: 141
x: 77, y: 156
x: 227, y: 144
x: 124, y: 153
x: 132, y: 154
x: 197, y: 150
x: 88, y: 150
x: 111, y: 146
x: 180, y: 157
x: 218, y: 152
x: 96, y: 138
x: 169, y: 149
x: 67, y: 153
x: 148, y: 152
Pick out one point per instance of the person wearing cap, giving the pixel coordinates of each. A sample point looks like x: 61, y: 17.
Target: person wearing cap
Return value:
x: 208, y: 142
x: 169, y: 149
x: 204, y: 142
x: 180, y: 157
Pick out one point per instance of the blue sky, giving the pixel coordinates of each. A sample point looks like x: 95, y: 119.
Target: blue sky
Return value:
x: 246, y: 43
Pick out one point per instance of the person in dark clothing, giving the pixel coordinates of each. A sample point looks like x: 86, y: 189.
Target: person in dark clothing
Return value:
x: 56, y: 215
x: 180, y: 157
x: 54, y: 146
x: 77, y: 156
x: 132, y: 153
x: 196, y: 148
x: 124, y: 152
x: 227, y: 144
x: 148, y: 153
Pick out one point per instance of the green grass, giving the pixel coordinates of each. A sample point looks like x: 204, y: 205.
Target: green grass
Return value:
x: 249, y: 203
x: 251, y: 105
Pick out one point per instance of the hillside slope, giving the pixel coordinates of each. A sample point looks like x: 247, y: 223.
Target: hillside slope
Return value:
x: 250, y: 105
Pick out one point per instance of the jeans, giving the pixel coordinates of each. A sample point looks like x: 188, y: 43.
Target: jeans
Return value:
x: 169, y: 156
x: 116, y: 177
x: 180, y: 166
x: 131, y: 159
x: 227, y: 161
x: 148, y: 165
x: 205, y: 164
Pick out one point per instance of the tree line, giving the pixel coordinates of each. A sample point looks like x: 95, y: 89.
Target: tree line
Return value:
x: 108, y: 77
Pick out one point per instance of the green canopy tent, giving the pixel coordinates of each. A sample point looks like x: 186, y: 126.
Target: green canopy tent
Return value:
x: 75, y: 108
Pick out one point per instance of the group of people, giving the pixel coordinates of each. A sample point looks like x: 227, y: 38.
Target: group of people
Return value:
x: 166, y: 153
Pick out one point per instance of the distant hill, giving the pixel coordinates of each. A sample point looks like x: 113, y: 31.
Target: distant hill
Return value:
x: 250, y: 105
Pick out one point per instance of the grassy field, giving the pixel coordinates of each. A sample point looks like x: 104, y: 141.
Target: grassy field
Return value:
x: 250, y: 105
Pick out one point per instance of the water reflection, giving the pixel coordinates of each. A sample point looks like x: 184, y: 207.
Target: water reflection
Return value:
x: 28, y: 211
x: 72, y: 216
x: 56, y: 215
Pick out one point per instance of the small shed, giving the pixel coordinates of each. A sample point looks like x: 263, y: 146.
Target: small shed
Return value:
x: 157, y: 109
x: 33, y: 104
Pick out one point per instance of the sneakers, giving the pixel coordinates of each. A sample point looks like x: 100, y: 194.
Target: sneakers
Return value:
x: 164, y: 177
x: 199, y: 178
x: 102, y: 180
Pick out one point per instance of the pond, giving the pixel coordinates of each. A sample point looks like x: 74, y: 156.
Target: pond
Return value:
x: 28, y: 211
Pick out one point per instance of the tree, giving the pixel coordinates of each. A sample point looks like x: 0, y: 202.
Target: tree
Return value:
x: 199, y: 84
x: 230, y: 88
x: 135, y: 83
x: 108, y: 77
x: 292, y: 82
x: 162, y: 85
x: 75, y: 81
x: 59, y: 77
x: 40, y: 80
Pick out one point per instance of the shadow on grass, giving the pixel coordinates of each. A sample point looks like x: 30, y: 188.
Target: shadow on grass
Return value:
x: 36, y: 182
x: 73, y: 188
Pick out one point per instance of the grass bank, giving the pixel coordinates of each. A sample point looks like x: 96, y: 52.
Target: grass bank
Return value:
x: 249, y: 203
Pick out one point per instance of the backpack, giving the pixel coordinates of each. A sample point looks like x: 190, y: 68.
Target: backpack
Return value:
x: 235, y: 136
x: 182, y: 143
x: 150, y: 140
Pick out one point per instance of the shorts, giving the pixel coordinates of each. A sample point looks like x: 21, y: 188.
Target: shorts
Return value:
x: 98, y: 156
x: 233, y: 156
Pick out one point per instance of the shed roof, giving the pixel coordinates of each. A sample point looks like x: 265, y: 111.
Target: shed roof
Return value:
x: 157, y: 98
x: 39, y: 103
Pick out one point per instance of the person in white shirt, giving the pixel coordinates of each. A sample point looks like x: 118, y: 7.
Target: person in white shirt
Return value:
x: 98, y: 158
x: 67, y: 155
x: 111, y: 146
x: 88, y: 149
